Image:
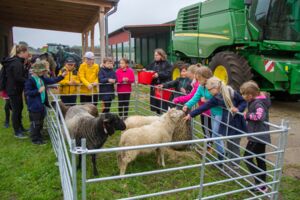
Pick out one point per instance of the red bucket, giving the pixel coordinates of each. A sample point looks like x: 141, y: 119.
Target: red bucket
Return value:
x: 145, y: 77
x: 163, y: 94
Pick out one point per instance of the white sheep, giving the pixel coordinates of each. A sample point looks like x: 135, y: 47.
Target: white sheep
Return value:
x: 138, y: 121
x: 159, y: 131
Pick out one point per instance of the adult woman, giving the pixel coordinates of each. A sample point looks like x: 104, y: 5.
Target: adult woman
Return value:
x: 16, y: 78
x: 163, y: 70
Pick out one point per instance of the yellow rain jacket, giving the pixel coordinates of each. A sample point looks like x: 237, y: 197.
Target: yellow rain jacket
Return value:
x: 65, y: 88
x: 88, y: 75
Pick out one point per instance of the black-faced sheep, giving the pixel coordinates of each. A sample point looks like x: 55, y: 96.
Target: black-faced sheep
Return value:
x: 159, y: 131
x: 81, y: 124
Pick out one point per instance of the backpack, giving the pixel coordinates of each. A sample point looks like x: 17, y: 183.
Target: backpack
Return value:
x: 3, y: 77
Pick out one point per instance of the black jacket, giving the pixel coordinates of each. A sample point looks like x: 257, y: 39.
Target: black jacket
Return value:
x: 258, y: 113
x: 164, y: 70
x: 177, y: 84
x: 16, y: 77
x: 106, y: 87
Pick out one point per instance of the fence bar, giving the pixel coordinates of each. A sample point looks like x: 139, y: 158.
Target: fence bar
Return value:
x: 83, y: 169
x: 74, y: 174
x: 202, y: 171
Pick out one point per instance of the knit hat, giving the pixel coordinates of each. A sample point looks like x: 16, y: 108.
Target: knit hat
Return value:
x: 89, y: 55
x: 69, y: 60
x: 39, y: 66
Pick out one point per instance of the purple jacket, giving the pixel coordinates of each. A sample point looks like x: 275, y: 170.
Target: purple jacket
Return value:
x: 124, y: 86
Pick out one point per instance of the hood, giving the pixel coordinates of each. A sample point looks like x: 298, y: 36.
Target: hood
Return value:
x: 8, y: 60
x: 265, y: 99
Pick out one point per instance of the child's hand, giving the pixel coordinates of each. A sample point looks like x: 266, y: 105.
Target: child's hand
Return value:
x: 160, y: 86
x: 234, y: 110
x: 188, y: 117
x: 90, y: 86
x: 72, y: 82
x: 183, y: 90
x: 245, y: 114
x: 184, y: 108
x: 125, y: 79
x: 203, y: 99
x: 64, y: 74
x: 155, y: 75
x: 94, y: 84
x: 110, y: 80
x: 42, y: 89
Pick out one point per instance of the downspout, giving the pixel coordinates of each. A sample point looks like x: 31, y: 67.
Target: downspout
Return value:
x: 115, y: 8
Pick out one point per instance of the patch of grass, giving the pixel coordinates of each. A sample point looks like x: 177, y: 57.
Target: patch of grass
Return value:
x: 29, y: 172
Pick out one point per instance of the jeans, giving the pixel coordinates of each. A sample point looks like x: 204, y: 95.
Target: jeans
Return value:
x: 215, y: 133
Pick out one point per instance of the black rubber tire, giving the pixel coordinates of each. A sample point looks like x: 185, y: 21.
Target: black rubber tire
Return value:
x: 237, y: 68
x: 177, y: 65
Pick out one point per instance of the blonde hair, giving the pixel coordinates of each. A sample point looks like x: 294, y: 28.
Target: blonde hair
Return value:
x: 162, y: 53
x: 226, y: 91
x: 250, y: 88
x: 18, y: 48
x: 204, y: 72
x: 193, y: 68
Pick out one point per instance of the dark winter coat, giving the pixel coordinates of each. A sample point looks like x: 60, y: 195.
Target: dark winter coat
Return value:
x: 177, y: 84
x: 16, y: 75
x: 258, y: 113
x: 164, y: 70
x: 234, y: 120
x: 34, y: 101
x: 104, y: 75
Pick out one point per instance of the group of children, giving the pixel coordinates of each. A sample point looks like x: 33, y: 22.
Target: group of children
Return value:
x: 95, y: 83
x: 220, y: 107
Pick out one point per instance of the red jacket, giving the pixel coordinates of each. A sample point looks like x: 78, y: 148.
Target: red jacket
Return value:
x: 126, y: 73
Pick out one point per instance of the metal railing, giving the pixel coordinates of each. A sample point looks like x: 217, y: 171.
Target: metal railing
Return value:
x: 65, y: 148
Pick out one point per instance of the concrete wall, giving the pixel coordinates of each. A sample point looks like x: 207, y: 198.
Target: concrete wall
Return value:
x: 6, y: 40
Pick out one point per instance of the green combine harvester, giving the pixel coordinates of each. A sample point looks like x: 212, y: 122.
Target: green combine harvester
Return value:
x: 242, y: 40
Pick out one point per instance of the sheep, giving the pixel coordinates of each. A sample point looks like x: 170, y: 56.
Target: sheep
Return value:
x: 138, y: 121
x: 181, y: 132
x: 159, y: 131
x: 91, y: 108
x: 81, y: 124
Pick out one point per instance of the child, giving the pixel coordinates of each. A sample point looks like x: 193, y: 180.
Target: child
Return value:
x: 258, y: 113
x: 37, y: 99
x: 224, y: 96
x: 107, y: 78
x: 88, y: 75
x: 125, y: 76
x: 7, y: 107
x: 68, y: 86
x: 200, y: 95
x: 181, y: 84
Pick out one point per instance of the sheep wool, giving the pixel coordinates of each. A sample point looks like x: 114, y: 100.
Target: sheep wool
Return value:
x: 160, y: 131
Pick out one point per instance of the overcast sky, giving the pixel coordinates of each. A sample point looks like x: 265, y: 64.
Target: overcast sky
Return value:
x: 130, y: 12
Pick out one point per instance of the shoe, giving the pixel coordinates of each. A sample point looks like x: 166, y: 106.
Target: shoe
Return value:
x: 263, y: 189
x: 23, y: 129
x: 20, y: 135
x: 39, y: 142
x: 6, y: 125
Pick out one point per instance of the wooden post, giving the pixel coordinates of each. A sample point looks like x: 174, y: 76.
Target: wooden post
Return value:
x: 86, y: 41
x: 102, y: 33
x: 82, y: 44
x: 92, y: 40
x: 10, y: 38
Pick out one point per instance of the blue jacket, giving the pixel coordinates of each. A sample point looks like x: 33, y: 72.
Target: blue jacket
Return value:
x: 104, y: 75
x: 34, y: 101
x: 234, y: 120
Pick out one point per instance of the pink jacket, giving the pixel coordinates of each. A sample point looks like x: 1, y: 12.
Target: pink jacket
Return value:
x: 186, y: 98
x: 124, y: 86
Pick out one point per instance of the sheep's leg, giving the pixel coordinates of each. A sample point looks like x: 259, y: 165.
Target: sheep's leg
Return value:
x: 94, y: 165
x: 123, y: 166
x: 158, y: 153
x: 79, y: 162
x: 162, y: 155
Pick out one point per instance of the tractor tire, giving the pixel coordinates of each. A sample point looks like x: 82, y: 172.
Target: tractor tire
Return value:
x: 231, y: 68
x: 176, y: 69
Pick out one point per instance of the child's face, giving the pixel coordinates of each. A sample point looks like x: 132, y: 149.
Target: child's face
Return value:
x: 108, y: 65
x: 70, y: 66
x: 41, y: 73
x: 123, y: 64
x: 90, y: 62
x: 213, y: 91
x: 183, y: 73
x: 201, y: 80
x: 248, y: 97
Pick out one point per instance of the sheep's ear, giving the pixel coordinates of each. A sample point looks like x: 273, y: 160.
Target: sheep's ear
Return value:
x: 169, y: 108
